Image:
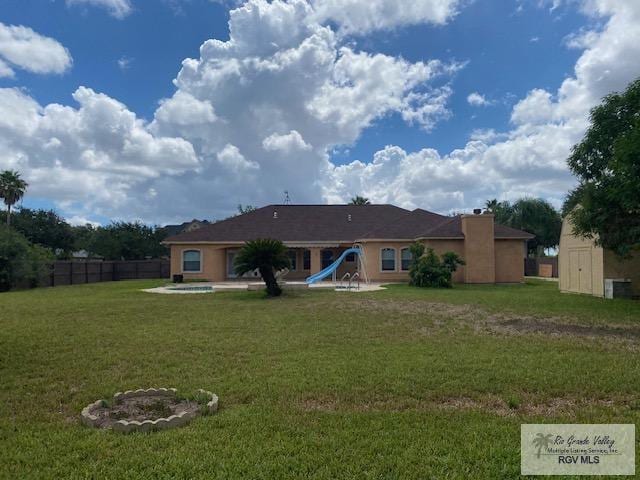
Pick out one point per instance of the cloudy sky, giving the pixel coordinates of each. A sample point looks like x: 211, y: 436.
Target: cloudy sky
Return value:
x: 173, y: 109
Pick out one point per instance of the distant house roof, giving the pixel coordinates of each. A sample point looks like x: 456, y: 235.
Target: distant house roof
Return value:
x: 194, y: 224
x: 333, y: 223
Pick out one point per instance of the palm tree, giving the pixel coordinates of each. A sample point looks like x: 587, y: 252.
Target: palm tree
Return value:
x: 12, y: 189
x: 541, y: 441
x: 492, y: 205
x: 358, y: 200
x: 267, y: 256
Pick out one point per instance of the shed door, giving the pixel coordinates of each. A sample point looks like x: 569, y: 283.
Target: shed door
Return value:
x: 580, y: 270
x: 585, y: 272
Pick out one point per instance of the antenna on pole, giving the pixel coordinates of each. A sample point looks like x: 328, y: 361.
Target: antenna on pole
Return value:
x: 287, y: 200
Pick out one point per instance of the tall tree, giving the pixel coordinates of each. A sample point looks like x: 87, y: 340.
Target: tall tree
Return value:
x: 45, y: 228
x: 21, y: 263
x: 128, y: 241
x: 12, y: 188
x: 267, y: 256
x: 84, y: 237
x: 358, y: 200
x: 533, y: 215
x: 242, y: 209
x: 501, y: 210
x: 605, y: 205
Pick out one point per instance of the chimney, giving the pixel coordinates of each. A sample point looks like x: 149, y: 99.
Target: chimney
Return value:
x: 275, y: 214
x: 479, y: 248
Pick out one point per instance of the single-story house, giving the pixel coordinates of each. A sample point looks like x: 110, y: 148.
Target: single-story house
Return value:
x: 317, y: 234
x: 583, y: 266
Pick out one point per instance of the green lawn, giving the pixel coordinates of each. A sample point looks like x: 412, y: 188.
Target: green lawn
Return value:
x: 404, y: 383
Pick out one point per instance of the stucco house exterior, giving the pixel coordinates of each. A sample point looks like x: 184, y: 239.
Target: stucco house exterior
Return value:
x: 317, y: 234
x: 583, y: 266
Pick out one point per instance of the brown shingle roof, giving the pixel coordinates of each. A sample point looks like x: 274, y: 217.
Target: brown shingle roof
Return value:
x: 409, y: 226
x: 297, y: 223
x: 507, y: 232
x: 334, y: 223
x: 452, y: 228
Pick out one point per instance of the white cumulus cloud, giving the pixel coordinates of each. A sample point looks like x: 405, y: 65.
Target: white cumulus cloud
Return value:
x: 528, y: 160
x: 23, y: 48
x: 99, y: 154
x: 117, y: 8
x: 262, y: 112
x: 290, y: 142
x: 231, y: 158
x: 477, y: 100
x: 363, y: 16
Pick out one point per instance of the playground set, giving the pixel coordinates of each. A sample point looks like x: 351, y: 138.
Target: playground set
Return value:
x: 348, y: 281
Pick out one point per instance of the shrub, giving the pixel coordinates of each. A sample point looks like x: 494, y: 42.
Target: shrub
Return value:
x: 21, y: 263
x: 267, y: 256
x: 429, y: 270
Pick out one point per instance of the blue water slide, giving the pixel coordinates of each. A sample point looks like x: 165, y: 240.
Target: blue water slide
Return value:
x: 333, y: 267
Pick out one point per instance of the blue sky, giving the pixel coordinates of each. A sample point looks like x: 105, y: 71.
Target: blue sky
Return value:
x: 520, y: 56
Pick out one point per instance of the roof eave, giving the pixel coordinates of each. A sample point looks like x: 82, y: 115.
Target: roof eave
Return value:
x: 441, y: 238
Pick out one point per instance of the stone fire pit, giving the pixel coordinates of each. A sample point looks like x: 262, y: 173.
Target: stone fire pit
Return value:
x: 148, y: 410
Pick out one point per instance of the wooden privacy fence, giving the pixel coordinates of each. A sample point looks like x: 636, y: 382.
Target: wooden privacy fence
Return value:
x: 93, y: 271
x: 541, y: 267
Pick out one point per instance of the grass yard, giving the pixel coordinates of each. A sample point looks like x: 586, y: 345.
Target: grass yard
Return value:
x: 400, y: 384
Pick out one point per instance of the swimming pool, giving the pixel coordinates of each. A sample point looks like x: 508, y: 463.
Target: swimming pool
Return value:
x: 192, y: 289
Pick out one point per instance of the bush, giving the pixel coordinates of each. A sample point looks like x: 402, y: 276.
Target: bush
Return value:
x: 21, y: 263
x: 266, y: 255
x: 429, y: 270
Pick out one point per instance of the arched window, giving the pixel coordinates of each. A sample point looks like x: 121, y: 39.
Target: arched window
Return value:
x: 405, y: 259
x: 388, y: 259
x: 191, y: 261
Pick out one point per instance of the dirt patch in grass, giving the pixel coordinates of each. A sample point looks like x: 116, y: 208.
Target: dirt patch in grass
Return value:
x: 141, y: 408
x: 412, y: 307
x: 492, y: 404
x: 533, y: 325
x: 452, y: 316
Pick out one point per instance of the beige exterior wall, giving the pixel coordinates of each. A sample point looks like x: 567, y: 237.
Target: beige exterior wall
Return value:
x: 487, y: 260
x: 510, y: 261
x: 373, y: 260
x: 479, y: 248
x: 373, y: 264
x: 213, y: 260
x: 456, y: 246
x: 580, y: 264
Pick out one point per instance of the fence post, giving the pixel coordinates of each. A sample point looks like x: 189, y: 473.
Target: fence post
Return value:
x: 136, y: 270
x: 70, y: 273
x: 100, y: 271
x: 86, y: 271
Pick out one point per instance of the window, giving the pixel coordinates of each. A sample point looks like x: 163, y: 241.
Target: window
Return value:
x: 388, y: 259
x: 405, y: 259
x: 306, y: 260
x: 191, y: 261
x: 293, y: 257
x: 327, y: 258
